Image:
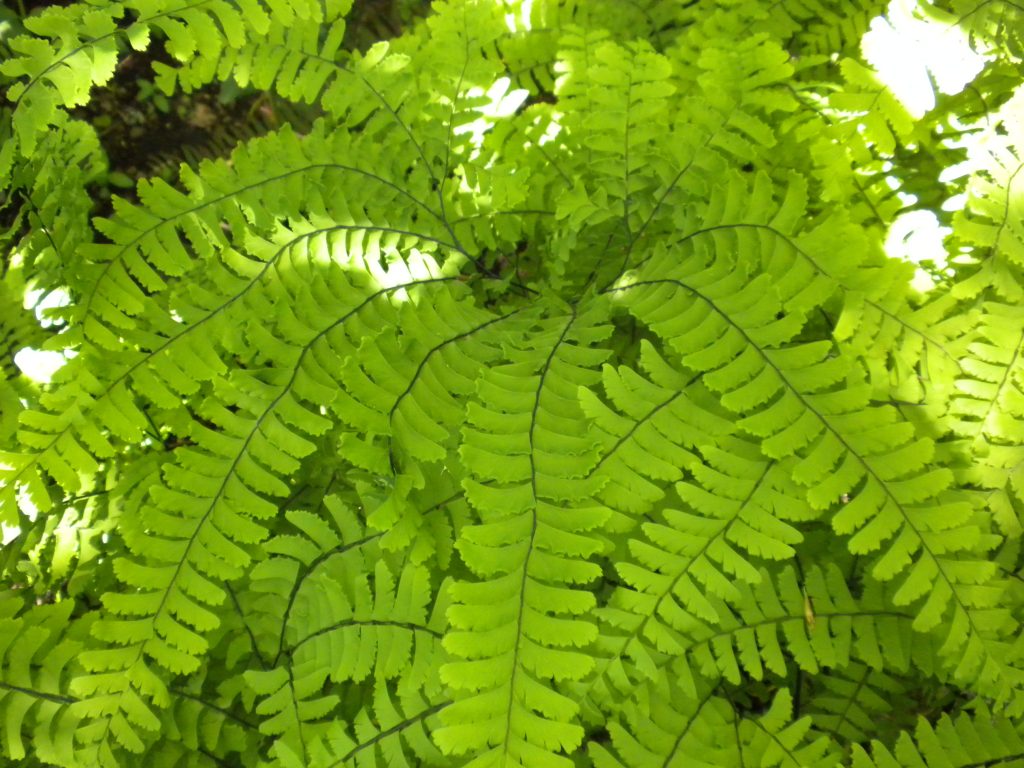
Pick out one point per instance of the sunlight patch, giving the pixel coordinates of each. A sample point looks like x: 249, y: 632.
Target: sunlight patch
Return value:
x: 41, y: 304
x: 553, y: 129
x: 39, y: 365
x: 519, y: 22
x: 501, y: 102
x: 10, y: 533
x: 917, y: 237
x: 416, y: 266
x: 910, y: 53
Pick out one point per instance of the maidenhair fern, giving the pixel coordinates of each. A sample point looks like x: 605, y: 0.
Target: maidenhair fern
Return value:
x: 552, y: 401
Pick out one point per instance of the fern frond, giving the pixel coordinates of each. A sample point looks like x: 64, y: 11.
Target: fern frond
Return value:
x: 648, y: 430
x: 348, y: 631
x: 374, y: 93
x: 528, y: 464
x: 384, y: 732
x: 871, y: 116
x: 989, y: 227
x: 994, y: 28
x: 630, y: 90
x: 261, y: 181
x: 49, y: 192
x: 735, y: 332
x: 202, y: 723
x: 70, y: 50
x: 292, y: 707
x: 311, y: 542
x: 856, y: 702
x: 742, y: 93
x: 907, y: 353
x: 967, y: 739
x: 37, y: 659
x: 677, y: 727
x: 406, y: 389
x: 687, y: 562
x: 198, y: 523
x: 284, y: 44
x: 821, y: 26
x: 73, y: 49
x: 910, y: 354
x: 334, y: 615
x: 424, y: 522
x: 542, y: 397
x: 775, y: 738
x: 988, y: 411
x: 179, y: 342
x: 820, y: 622
x: 305, y: 568
x: 705, y: 730
x: 18, y: 329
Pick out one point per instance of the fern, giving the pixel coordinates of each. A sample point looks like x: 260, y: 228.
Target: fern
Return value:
x: 39, y: 715
x: 549, y: 400
x: 707, y: 730
x: 959, y: 742
x: 859, y: 701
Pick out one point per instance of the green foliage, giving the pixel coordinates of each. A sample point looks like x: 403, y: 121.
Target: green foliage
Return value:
x: 550, y: 402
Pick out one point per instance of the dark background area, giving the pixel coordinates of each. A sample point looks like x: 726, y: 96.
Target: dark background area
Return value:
x: 146, y: 133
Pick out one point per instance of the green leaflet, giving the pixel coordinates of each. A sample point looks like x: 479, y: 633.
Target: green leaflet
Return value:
x: 547, y: 400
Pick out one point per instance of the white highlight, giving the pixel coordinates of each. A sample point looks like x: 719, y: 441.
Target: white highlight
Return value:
x: 39, y: 365
x: 38, y: 303
x: 30, y: 510
x: 909, y: 53
x: 522, y: 22
x: 501, y: 103
x: 551, y: 132
x: 412, y: 267
x: 917, y: 237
